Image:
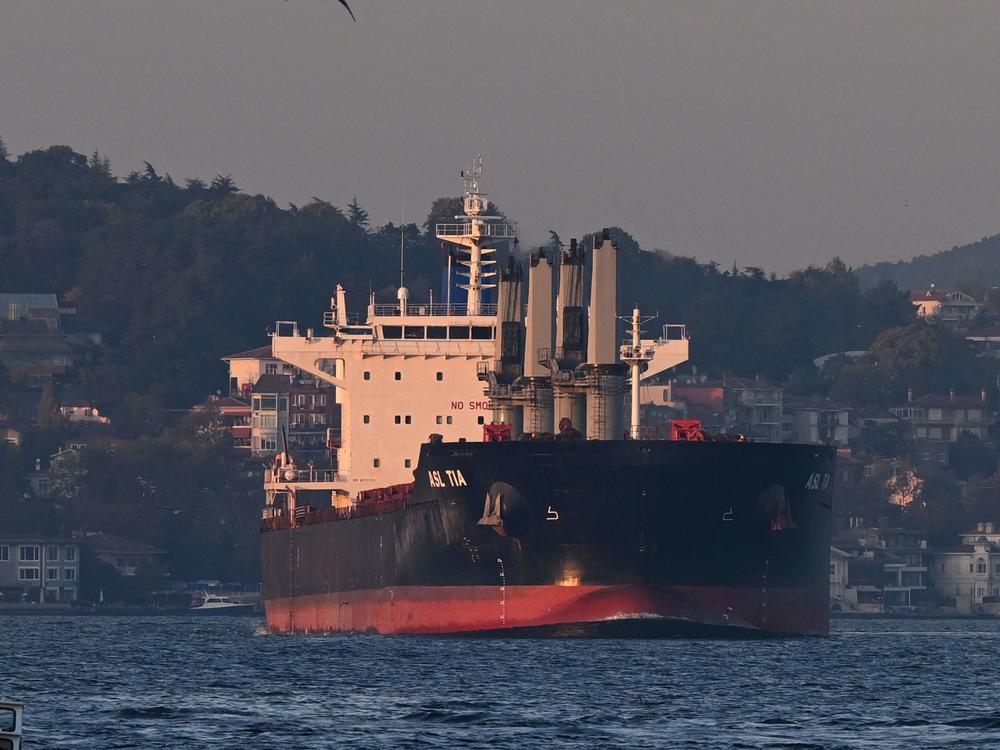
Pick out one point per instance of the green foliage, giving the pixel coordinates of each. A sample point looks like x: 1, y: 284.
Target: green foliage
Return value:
x: 970, y: 457
x: 947, y: 269
x: 356, y: 214
x: 882, y: 440
x: 922, y: 357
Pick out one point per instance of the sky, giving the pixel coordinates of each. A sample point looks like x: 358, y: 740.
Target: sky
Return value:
x: 771, y: 133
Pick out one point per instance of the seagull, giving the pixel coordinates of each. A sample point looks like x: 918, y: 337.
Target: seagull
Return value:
x: 344, y: 3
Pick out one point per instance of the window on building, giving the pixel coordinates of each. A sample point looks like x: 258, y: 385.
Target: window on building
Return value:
x: 268, y: 444
x: 398, y: 375
x: 69, y: 574
x: 942, y: 567
x: 367, y: 418
x: 321, y: 399
x: 70, y: 554
x: 52, y: 552
x: 407, y: 463
x: 397, y: 419
x: 934, y: 415
x: 970, y: 567
x: 409, y: 419
x: 439, y: 376
x: 27, y: 574
x: 4, y: 553
x: 925, y: 456
x: 942, y: 458
x: 377, y: 463
x: 368, y: 375
x: 981, y: 566
x: 271, y: 368
x: 28, y: 553
x: 833, y: 570
x: 52, y: 574
x: 450, y: 419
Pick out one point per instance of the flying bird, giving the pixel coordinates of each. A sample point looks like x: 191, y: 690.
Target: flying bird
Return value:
x: 344, y: 3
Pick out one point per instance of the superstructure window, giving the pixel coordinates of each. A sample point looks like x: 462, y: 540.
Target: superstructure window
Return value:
x: 437, y: 332
x: 439, y: 376
x: 481, y: 420
x: 458, y: 332
x: 398, y: 375
x: 368, y: 375
x: 367, y: 418
x: 377, y: 463
x: 406, y: 464
x: 409, y: 419
x: 397, y: 419
x: 482, y: 333
x: 392, y: 332
x: 437, y: 420
x: 413, y: 332
x: 450, y: 419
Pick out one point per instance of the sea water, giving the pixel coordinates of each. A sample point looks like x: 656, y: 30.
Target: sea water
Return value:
x: 185, y: 682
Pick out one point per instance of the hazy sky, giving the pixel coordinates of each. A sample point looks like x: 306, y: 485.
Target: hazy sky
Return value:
x: 758, y: 131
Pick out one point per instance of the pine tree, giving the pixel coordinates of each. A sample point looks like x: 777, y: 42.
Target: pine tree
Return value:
x: 357, y: 215
x: 224, y: 184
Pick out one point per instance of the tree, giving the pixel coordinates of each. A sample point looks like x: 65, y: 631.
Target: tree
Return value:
x: 357, y: 215
x: 223, y: 184
x: 49, y: 418
x: 970, y: 457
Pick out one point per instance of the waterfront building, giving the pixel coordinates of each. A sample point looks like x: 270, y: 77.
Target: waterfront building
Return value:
x: 124, y: 555
x: 951, y: 308
x: 969, y: 573
x: 38, y: 569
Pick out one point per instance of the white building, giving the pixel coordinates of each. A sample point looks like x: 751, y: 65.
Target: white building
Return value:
x: 970, y: 573
x: 815, y: 420
x: 39, y: 568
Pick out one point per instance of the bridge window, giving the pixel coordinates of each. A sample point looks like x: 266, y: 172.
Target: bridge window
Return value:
x: 437, y: 332
x: 392, y: 332
x: 458, y: 332
x: 413, y: 332
x: 482, y: 333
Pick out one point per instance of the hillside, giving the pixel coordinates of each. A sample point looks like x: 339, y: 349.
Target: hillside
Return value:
x: 977, y: 263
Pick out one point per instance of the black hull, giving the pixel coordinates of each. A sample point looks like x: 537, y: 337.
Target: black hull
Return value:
x: 716, y: 534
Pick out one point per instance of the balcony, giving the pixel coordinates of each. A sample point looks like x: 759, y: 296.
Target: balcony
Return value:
x: 477, y: 229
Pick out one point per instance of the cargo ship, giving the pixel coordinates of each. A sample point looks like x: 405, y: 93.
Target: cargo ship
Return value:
x: 492, y: 474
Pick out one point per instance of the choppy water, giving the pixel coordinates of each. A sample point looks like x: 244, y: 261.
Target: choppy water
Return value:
x: 95, y: 682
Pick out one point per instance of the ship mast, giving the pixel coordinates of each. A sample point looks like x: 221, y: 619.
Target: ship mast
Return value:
x: 476, y: 233
x: 636, y: 356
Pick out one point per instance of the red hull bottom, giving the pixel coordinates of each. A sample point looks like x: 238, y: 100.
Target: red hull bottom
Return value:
x: 470, y: 609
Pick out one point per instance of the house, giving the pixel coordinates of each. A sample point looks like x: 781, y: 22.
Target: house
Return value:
x: 125, y: 555
x: 969, y: 573
x: 942, y: 418
x: 246, y: 368
x: 848, y: 469
x: 952, y: 308
x: 82, y: 412
x: 33, y: 346
x: 813, y: 419
x: 39, y: 569
x: 10, y: 435
x: 235, y: 414
x: 985, y: 341
x: 880, y: 568
x: 269, y: 413
x: 753, y: 407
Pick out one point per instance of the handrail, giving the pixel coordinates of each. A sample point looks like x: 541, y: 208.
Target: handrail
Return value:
x: 465, y: 229
x: 436, y: 309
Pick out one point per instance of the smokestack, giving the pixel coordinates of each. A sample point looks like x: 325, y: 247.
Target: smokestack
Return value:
x: 536, y: 386
x: 571, y: 320
x: 601, y: 315
x: 538, y: 333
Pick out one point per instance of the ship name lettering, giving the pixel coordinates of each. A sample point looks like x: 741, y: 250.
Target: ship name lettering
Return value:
x: 451, y: 478
x: 818, y: 482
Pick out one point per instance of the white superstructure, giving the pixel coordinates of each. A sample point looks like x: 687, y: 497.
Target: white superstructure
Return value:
x: 416, y: 369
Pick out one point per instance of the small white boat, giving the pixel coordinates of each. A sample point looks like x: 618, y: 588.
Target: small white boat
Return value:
x: 11, y: 724
x: 215, y: 604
